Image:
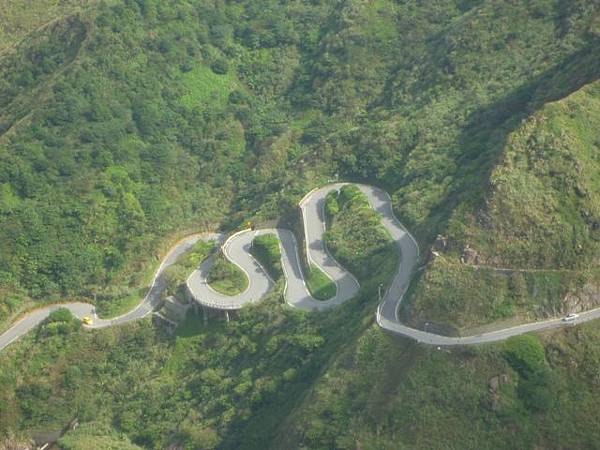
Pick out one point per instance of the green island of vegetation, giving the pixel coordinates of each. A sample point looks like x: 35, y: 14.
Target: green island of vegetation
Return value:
x: 320, y: 286
x: 265, y: 248
x: 355, y: 235
x: 225, y: 277
x: 177, y: 274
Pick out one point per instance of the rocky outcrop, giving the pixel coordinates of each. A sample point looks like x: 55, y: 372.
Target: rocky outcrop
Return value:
x: 469, y: 256
x: 494, y: 387
x: 587, y: 297
x: 440, y: 244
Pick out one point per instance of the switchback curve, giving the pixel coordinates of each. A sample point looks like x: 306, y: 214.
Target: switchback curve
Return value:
x: 236, y: 249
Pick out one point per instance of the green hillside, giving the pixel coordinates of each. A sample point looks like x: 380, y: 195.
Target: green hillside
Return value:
x: 537, y: 237
x: 126, y: 124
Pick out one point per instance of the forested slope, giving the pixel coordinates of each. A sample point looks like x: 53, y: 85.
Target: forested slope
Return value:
x: 128, y: 123
x: 532, y: 249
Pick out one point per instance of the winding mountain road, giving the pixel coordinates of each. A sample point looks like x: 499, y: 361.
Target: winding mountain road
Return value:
x: 236, y: 249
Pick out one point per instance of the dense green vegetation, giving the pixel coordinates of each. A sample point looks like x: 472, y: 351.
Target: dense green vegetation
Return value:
x: 384, y: 392
x: 129, y: 123
x: 96, y: 436
x: 126, y: 123
x: 177, y: 274
x: 355, y: 236
x: 24, y: 17
x: 225, y: 277
x: 265, y: 248
x: 212, y: 385
x: 320, y: 286
x: 543, y: 226
x: 59, y: 322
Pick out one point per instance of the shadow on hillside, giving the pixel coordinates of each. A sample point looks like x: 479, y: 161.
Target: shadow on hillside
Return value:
x: 484, y: 138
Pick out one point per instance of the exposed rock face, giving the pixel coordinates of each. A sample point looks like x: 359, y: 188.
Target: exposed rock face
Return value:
x: 494, y: 386
x: 12, y: 443
x: 441, y: 243
x: 494, y: 383
x: 469, y: 256
x: 587, y: 297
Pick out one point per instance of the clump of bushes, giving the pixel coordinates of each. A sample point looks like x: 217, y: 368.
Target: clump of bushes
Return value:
x: 355, y: 235
x: 265, y: 248
x: 60, y: 322
x: 226, y: 278
x: 527, y: 357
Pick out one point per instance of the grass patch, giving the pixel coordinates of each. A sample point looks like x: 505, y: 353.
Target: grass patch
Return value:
x: 109, y: 309
x: 206, y: 88
x: 227, y: 278
x: 265, y: 249
x: 20, y: 18
x: 320, y: 286
x: 456, y: 294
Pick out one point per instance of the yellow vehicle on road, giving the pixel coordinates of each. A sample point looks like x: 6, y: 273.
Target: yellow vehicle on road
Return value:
x: 87, y: 320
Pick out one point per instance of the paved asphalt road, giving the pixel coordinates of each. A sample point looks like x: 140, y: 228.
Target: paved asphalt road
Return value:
x: 80, y: 310
x: 236, y: 248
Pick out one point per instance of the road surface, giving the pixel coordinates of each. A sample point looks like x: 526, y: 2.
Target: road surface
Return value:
x: 80, y: 310
x: 236, y: 249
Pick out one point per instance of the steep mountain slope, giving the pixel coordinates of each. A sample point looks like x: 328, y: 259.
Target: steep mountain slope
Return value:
x: 21, y: 18
x: 533, y: 248
x: 128, y: 123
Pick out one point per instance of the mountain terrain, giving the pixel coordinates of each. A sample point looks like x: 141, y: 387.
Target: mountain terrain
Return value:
x: 125, y: 125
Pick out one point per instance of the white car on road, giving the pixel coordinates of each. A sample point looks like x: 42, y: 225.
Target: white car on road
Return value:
x: 570, y: 317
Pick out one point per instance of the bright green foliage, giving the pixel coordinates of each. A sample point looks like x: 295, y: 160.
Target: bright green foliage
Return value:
x: 126, y: 123
x: 320, y: 286
x: 526, y: 355
x: 541, y: 218
x: 115, y: 134
x: 225, y: 277
x: 265, y: 248
x: 96, y: 436
x: 332, y: 207
x: 59, y: 322
x: 176, y: 274
x: 356, y: 237
x: 543, y: 208
x: 206, y: 89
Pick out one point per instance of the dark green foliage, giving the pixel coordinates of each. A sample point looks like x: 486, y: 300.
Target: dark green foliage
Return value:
x: 220, y: 66
x: 332, y: 207
x: 265, y: 248
x: 357, y: 239
x: 59, y: 322
x: 225, y: 277
x: 211, y: 385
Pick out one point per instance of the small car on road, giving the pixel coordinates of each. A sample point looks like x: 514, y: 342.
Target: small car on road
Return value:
x: 87, y: 320
x: 570, y: 317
